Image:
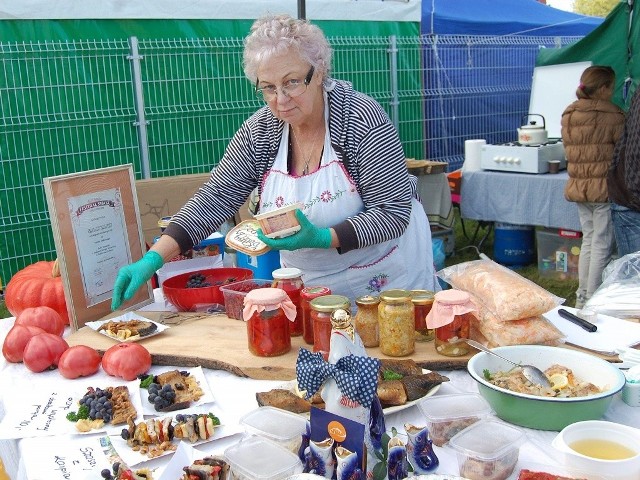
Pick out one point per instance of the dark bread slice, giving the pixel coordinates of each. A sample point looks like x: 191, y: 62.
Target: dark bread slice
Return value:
x: 284, y: 399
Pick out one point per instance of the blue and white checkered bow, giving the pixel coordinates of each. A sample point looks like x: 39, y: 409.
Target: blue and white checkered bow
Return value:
x: 357, y: 377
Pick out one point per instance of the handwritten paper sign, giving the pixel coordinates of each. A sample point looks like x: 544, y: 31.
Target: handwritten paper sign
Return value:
x: 68, y: 458
x: 44, y: 412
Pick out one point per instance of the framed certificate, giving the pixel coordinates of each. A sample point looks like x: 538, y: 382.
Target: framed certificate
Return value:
x: 97, y: 230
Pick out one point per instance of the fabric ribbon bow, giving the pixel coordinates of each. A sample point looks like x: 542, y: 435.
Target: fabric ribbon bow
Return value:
x: 357, y: 377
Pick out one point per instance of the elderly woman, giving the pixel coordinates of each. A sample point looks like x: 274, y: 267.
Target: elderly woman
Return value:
x: 319, y: 142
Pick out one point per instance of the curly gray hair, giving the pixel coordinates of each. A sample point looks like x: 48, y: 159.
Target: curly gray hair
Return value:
x: 273, y: 35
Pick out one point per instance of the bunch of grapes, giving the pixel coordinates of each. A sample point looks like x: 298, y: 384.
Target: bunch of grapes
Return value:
x: 99, y: 404
x: 197, y: 280
x: 106, y: 473
x: 161, y: 396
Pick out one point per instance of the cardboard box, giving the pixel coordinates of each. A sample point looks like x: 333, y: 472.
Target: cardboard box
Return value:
x: 163, y: 197
x: 558, y: 253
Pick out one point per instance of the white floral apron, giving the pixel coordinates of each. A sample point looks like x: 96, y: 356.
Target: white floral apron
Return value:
x: 329, y: 196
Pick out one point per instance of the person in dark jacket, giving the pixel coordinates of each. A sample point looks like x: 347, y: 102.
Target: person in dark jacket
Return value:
x: 591, y: 126
x: 623, y: 182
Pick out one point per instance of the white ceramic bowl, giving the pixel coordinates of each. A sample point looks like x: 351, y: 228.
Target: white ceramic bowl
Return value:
x: 547, y: 413
x: 620, y: 469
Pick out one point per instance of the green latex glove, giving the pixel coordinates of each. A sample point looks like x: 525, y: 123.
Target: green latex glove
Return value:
x: 309, y: 236
x: 131, y: 277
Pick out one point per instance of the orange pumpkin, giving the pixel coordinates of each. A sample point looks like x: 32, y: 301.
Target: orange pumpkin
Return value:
x: 37, y: 285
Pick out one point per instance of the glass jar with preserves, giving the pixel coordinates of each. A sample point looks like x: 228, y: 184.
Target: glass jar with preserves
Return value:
x: 290, y: 280
x: 396, y: 321
x: 268, y: 313
x: 366, y: 321
x: 422, y: 302
x: 321, y: 310
x: 451, y: 316
x: 306, y: 295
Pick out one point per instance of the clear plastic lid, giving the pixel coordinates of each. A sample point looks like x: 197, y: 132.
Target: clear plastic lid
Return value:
x: 258, y: 458
x: 457, y: 405
x: 487, y: 439
x: 274, y: 423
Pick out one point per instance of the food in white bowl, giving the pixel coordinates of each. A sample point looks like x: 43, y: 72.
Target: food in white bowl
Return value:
x: 602, y: 448
x: 547, y: 413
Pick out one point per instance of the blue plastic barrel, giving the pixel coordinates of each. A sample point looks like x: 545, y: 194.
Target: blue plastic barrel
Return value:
x: 262, y: 265
x: 514, y: 245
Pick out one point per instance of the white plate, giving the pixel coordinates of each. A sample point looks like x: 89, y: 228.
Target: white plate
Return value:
x: 397, y: 408
x: 293, y: 386
x: 123, y: 318
x: 196, y: 372
x: 131, y: 457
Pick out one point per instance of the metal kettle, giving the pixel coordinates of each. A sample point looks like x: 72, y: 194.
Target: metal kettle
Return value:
x: 532, y: 133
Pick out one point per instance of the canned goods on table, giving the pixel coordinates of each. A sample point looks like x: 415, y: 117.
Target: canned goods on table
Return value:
x: 397, y: 323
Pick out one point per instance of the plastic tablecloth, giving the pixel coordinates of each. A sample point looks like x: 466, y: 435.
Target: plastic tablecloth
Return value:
x: 518, y: 199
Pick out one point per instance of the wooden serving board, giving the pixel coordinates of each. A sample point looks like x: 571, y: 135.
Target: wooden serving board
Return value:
x: 220, y: 343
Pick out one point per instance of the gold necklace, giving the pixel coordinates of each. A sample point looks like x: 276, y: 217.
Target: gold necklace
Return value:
x: 306, y: 158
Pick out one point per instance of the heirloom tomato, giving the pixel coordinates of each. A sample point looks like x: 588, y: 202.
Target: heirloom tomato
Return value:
x: 43, y: 351
x: 44, y: 317
x: 16, y: 340
x: 79, y: 361
x: 126, y: 360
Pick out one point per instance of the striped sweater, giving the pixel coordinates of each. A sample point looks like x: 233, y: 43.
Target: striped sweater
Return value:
x: 364, y: 140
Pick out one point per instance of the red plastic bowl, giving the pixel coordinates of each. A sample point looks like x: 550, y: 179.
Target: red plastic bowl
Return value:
x: 185, y: 299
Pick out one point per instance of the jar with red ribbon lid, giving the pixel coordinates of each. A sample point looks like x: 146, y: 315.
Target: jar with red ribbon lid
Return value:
x: 290, y: 280
x: 268, y: 313
x: 306, y: 295
x: 451, y: 316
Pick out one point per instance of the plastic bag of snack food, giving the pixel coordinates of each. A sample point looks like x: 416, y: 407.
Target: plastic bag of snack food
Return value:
x: 619, y: 294
x: 508, y: 295
x: 487, y: 329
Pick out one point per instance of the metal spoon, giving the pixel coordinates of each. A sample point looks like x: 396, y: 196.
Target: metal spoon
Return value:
x: 531, y: 373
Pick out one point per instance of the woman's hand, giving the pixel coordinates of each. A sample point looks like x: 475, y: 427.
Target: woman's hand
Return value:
x: 309, y: 236
x: 131, y: 277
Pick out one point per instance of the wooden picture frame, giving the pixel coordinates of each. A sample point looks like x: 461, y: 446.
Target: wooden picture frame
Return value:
x: 97, y: 230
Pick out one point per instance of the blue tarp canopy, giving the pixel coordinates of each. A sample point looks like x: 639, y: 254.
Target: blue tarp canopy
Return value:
x: 502, y: 17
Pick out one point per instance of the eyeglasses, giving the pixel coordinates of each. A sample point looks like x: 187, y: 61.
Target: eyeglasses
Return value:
x: 291, y: 88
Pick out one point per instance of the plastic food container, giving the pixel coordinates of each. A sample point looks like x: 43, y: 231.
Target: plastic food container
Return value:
x: 257, y: 458
x: 487, y: 450
x: 234, y: 293
x: 282, y: 427
x: 281, y: 222
x: 449, y: 414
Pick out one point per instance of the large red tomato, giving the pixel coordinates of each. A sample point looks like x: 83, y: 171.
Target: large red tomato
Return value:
x: 16, y: 340
x: 43, y: 351
x: 79, y: 361
x: 44, y: 317
x: 36, y: 285
x: 126, y: 360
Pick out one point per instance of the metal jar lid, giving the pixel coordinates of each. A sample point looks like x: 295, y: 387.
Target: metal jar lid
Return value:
x: 329, y: 303
x: 309, y: 293
x: 367, y: 300
x: 422, y: 297
x: 286, y: 273
x: 396, y: 295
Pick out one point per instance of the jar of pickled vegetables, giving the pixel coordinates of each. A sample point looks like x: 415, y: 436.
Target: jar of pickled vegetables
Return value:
x: 306, y: 295
x: 366, y: 321
x: 422, y: 302
x: 290, y: 280
x: 268, y: 312
x: 321, y: 310
x: 451, y: 316
x: 396, y: 321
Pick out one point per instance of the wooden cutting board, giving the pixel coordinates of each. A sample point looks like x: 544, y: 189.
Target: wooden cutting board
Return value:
x: 218, y: 342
